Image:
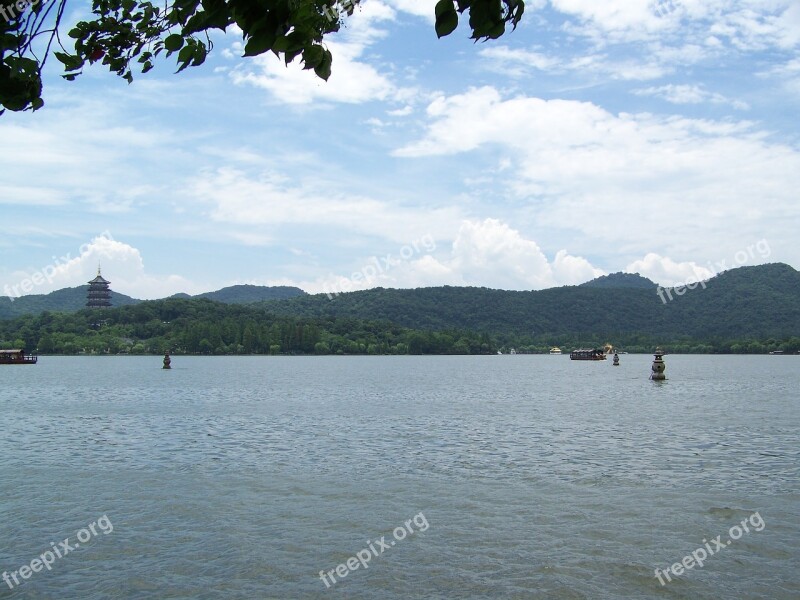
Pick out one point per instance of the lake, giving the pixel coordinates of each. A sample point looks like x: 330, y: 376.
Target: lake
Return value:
x: 417, y: 477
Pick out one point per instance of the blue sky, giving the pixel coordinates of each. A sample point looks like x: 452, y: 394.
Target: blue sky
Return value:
x: 598, y: 137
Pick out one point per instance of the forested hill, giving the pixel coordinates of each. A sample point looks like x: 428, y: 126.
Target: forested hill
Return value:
x: 246, y: 294
x: 64, y: 300
x: 761, y: 302
x: 73, y: 299
x: 621, y: 280
x: 751, y: 309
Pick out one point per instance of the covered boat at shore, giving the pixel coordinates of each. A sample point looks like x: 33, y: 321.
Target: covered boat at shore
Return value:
x: 17, y: 356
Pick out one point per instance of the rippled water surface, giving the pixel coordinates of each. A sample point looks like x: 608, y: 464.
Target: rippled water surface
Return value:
x: 537, y: 476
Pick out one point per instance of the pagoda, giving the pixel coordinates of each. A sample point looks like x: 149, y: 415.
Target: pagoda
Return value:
x: 99, y: 296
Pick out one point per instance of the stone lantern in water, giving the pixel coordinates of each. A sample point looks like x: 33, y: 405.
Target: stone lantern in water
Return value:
x: 658, y: 366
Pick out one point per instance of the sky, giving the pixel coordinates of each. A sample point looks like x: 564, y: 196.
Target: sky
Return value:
x: 601, y: 136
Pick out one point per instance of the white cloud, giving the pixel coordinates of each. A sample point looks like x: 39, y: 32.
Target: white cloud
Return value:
x: 623, y: 180
x: 689, y: 94
x: 746, y: 25
x: 352, y: 81
x: 667, y: 272
x: 418, y: 8
x: 270, y: 201
x: 516, y: 61
x: 116, y: 257
x: 484, y: 253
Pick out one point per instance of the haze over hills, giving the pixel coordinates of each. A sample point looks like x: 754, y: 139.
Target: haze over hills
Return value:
x: 63, y: 300
x: 750, y: 309
x: 73, y: 299
x: 760, y: 301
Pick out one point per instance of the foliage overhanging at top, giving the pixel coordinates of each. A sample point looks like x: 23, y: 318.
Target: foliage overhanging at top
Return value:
x: 128, y: 35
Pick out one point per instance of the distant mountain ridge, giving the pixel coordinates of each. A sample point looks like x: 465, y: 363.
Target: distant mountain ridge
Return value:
x: 245, y: 294
x: 621, y: 280
x: 748, y: 302
x: 64, y: 300
x: 745, y: 310
x: 760, y: 301
x: 73, y: 299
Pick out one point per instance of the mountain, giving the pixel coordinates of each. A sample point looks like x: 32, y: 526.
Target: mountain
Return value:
x: 72, y: 299
x: 64, y: 300
x: 750, y: 309
x: 246, y: 294
x: 760, y: 301
x: 621, y: 280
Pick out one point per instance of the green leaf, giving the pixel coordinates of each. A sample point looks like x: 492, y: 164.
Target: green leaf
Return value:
x: 185, y: 57
x: 313, y: 56
x: 446, y: 25
x: 443, y: 7
x: 323, y: 69
x: 446, y: 20
x: 258, y: 44
x: 173, y: 42
x: 70, y: 62
x: 496, y: 31
x: 199, y: 56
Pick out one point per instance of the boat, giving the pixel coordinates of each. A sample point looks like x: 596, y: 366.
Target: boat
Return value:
x: 555, y: 350
x: 776, y: 352
x: 17, y: 356
x: 587, y: 354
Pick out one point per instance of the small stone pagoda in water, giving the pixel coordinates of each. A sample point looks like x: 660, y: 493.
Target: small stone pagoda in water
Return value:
x: 99, y: 295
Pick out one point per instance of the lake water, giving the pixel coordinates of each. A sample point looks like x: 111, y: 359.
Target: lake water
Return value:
x: 520, y: 477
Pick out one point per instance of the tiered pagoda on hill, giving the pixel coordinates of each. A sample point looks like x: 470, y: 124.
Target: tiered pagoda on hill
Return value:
x: 99, y: 296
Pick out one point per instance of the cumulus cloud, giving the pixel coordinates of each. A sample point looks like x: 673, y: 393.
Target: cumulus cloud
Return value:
x: 623, y: 179
x: 746, y: 25
x: 76, y: 268
x: 487, y: 253
x: 353, y: 80
x: 668, y: 272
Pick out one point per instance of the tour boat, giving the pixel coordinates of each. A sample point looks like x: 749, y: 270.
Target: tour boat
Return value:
x: 587, y: 354
x: 555, y: 350
x: 17, y: 357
